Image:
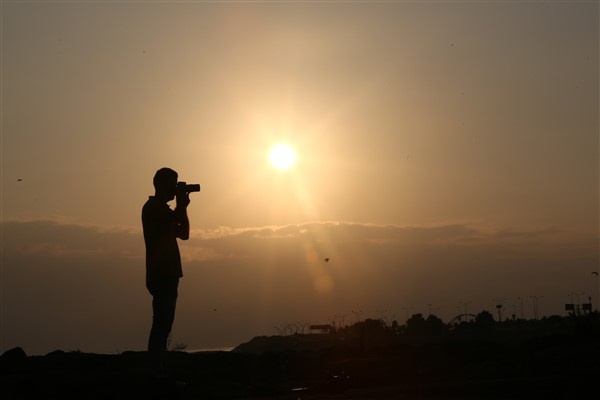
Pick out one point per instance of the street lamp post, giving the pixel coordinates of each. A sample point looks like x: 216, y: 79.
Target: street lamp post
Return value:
x: 535, y: 305
x: 499, y: 308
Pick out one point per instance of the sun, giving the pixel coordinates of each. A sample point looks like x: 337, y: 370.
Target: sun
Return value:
x: 282, y: 156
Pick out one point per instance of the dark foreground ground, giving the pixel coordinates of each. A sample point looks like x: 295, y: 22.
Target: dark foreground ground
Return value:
x: 551, y: 367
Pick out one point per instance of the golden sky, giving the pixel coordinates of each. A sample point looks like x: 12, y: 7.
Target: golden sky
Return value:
x: 432, y: 139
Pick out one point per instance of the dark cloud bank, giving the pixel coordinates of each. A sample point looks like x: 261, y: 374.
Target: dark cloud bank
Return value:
x: 82, y: 287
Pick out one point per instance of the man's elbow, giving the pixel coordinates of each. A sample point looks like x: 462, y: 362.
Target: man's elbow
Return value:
x: 183, y: 234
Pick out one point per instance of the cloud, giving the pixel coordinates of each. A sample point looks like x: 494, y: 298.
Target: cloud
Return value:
x: 507, y: 234
x: 57, y: 239
x: 73, y: 286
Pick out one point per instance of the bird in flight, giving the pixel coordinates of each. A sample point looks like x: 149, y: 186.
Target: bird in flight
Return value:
x: 595, y: 273
x: 326, y: 260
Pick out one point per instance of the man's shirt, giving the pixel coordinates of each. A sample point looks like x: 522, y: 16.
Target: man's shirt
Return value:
x: 162, y: 252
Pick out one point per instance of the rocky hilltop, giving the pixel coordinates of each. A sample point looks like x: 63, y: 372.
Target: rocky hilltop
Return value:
x: 364, y: 364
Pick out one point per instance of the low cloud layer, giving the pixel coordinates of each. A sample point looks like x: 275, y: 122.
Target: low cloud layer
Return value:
x: 82, y: 287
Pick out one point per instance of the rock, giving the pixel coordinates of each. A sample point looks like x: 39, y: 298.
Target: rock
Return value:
x: 13, y: 359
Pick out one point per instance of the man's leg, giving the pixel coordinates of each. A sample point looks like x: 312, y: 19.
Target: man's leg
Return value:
x: 164, y: 301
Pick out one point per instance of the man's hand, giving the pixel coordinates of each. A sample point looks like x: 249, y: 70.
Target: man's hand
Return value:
x: 183, y: 200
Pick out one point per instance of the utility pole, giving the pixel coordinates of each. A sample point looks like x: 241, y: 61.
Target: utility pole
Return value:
x: 595, y: 275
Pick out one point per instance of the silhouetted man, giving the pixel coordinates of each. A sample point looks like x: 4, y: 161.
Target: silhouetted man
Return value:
x: 162, y: 226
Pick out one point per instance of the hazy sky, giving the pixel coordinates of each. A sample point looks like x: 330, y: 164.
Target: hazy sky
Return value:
x: 446, y: 154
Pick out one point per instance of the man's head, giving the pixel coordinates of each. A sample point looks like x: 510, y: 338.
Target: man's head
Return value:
x: 165, y: 183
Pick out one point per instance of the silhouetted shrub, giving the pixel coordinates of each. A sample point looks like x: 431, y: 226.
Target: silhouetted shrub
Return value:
x: 484, y: 318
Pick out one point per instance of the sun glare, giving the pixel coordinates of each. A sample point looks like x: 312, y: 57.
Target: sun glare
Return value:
x: 282, y: 156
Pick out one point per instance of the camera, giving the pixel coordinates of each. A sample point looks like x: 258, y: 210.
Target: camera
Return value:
x: 184, y: 188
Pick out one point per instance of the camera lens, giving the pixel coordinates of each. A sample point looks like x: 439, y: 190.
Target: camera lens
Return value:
x: 193, y: 187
